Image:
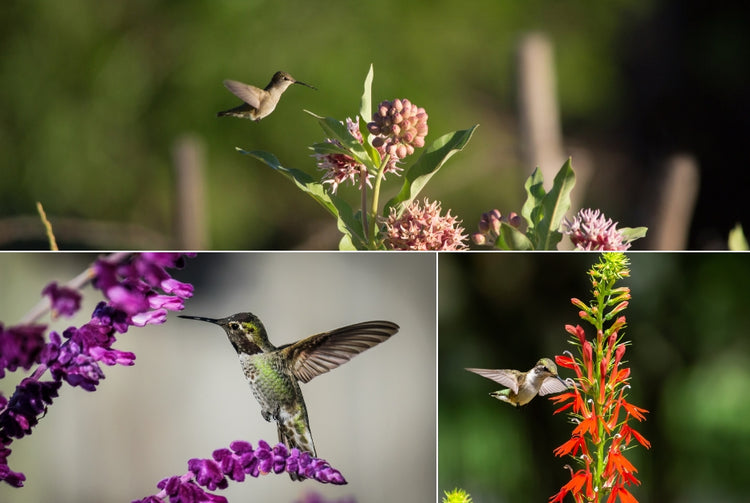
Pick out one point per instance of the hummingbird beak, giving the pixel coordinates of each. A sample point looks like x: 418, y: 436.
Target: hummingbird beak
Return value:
x: 199, y: 318
x: 563, y: 381
x: 307, y: 85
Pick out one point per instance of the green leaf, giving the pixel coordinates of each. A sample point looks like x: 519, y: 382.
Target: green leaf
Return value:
x: 737, y: 241
x: 511, y: 238
x: 365, y: 104
x: 632, y: 233
x: 431, y: 160
x: 335, y: 205
x: 532, y: 208
x: 336, y: 130
x: 328, y: 148
x: 554, y: 205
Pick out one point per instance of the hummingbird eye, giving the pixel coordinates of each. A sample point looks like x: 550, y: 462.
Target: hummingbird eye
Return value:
x: 234, y: 325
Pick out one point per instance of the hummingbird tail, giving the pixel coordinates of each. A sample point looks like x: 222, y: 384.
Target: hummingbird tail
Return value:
x: 243, y: 111
x: 295, y: 434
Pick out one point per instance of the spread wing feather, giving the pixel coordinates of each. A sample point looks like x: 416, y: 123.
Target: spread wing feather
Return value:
x: 552, y: 385
x: 247, y: 93
x: 323, y: 352
x: 502, y: 376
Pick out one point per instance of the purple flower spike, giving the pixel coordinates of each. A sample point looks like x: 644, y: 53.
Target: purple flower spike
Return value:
x: 235, y: 464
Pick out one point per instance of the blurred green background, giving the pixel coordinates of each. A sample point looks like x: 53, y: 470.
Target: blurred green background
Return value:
x: 95, y: 97
x: 690, y: 358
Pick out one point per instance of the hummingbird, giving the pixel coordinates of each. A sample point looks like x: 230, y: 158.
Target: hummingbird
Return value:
x: 522, y: 387
x: 258, y: 103
x: 274, y: 373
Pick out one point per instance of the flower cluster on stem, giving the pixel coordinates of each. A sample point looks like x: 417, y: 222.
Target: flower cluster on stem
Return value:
x: 339, y: 167
x: 138, y: 291
x: 235, y: 463
x: 591, y: 230
x: 422, y: 227
x: 598, y: 405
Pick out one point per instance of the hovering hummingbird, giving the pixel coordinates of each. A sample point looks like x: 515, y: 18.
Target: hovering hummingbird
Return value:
x: 522, y: 387
x: 274, y: 372
x: 258, y: 103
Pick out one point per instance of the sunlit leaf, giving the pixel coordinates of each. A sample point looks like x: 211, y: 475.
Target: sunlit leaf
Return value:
x: 431, y: 160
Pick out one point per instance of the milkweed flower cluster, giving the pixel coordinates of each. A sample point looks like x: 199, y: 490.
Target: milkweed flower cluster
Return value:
x: 235, y: 464
x: 598, y: 405
x: 340, y: 167
x: 139, y: 291
x: 591, y: 230
x: 422, y: 227
x: 399, y: 127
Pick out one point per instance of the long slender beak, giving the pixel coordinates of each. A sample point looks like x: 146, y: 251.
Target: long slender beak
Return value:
x: 199, y: 318
x: 308, y: 85
x: 568, y: 384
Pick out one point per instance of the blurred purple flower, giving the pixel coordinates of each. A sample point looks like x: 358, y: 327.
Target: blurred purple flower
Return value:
x: 132, y: 288
x: 65, y: 301
x: 234, y: 464
x: 312, y: 497
x: 20, y: 346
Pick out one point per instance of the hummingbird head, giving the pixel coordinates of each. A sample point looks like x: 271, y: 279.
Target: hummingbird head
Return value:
x: 245, y: 331
x: 284, y: 80
x: 546, y: 366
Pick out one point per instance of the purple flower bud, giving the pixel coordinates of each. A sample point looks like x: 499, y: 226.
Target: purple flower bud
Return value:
x: 65, y: 301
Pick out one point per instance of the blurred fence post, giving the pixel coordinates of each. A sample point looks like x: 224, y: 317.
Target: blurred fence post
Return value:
x: 676, y: 203
x: 190, y: 210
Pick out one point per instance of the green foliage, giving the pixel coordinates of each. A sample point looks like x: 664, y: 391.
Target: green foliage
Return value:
x: 543, y: 212
x: 361, y: 230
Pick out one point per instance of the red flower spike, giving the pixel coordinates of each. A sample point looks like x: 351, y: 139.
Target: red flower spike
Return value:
x: 601, y: 432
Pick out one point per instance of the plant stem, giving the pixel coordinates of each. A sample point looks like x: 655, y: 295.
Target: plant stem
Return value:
x: 376, y: 192
x: 363, y: 182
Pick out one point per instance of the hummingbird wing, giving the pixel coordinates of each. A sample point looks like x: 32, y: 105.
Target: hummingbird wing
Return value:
x: 325, y: 351
x: 247, y: 93
x: 506, y: 377
x: 552, y: 385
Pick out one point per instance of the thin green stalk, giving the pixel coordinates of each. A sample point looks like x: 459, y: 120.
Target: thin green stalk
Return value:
x: 376, y: 193
x: 365, y: 227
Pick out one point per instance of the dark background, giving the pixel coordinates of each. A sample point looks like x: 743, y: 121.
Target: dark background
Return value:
x: 690, y: 356
x: 95, y: 97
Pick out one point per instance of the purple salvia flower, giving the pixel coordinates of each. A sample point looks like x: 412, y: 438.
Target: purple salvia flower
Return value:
x: 65, y: 301
x: 132, y: 288
x: 15, y: 479
x: 156, y: 317
x: 237, y: 462
x: 28, y: 401
x: 20, y: 346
